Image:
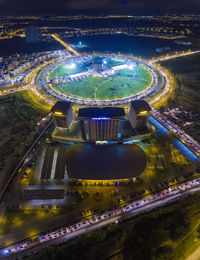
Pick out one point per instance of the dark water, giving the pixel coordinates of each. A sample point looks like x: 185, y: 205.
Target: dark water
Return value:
x: 138, y: 46
x: 96, y: 162
x: 19, y: 45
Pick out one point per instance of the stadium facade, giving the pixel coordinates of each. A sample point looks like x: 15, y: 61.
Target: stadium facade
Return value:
x: 62, y: 114
x: 139, y: 113
x: 100, y: 124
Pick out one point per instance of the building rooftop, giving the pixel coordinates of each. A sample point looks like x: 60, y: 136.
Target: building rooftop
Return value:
x: 104, y: 112
x: 140, y: 105
x: 105, y: 162
x: 44, y: 194
x: 61, y: 106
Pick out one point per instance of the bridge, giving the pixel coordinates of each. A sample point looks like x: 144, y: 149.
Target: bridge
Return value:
x: 67, y: 46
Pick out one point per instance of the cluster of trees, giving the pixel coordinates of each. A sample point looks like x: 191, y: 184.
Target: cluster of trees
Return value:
x: 25, y: 111
x: 147, y: 237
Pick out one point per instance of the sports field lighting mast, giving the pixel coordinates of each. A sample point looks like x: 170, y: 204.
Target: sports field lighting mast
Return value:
x: 71, y: 66
x: 104, y: 62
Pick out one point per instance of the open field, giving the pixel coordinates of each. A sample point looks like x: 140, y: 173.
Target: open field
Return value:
x: 187, y: 73
x: 35, y: 101
x: 123, y: 83
x: 81, y: 88
x: 65, y: 69
x: 17, y: 125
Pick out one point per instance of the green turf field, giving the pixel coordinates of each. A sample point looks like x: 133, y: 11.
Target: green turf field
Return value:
x: 123, y: 83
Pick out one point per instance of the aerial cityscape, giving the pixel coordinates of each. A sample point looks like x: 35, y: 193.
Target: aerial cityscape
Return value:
x: 100, y: 130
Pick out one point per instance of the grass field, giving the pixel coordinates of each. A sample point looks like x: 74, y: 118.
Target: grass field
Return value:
x: 187, y: 73
x: 81, y: 66
x: 123, y: 83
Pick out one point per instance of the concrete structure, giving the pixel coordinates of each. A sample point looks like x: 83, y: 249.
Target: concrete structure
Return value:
x: 62, y: 114
x: 33, y: 34
x: 105, y: 162
x: 139, y: 113
x: 101, y: 124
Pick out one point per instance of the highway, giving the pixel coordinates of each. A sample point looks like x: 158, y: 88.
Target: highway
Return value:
x: 20, y: 163
x: 12, y: 90
x: 175, y: 56
x: 64, y: 234
x: 186, y: 139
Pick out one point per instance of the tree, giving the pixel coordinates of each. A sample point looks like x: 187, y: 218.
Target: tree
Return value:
x: 165, y: 253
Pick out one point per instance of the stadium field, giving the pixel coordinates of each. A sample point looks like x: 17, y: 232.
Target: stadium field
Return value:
x: 115, y: 84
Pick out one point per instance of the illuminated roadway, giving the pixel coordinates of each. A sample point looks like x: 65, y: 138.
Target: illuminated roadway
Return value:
x: 20, y: 163
x: 67, y: 46
x: 144, y: 207
x: 185, y: 138
x: 66, y: 233
x: 174, y: 56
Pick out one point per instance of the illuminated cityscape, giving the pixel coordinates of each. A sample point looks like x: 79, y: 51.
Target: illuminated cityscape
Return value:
x: 100, y: 130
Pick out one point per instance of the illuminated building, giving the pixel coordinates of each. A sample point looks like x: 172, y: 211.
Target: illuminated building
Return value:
x: 139, y: 113
x: 101, y: 124
x: 62, y: 114
x: 33, y: 34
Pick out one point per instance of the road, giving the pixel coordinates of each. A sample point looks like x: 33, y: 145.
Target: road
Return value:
x: 67, y: 46
x: 128, y: 211
x: 195, y: 255
x: 20, y: 163
x: 175, y: 56
x: 66, y: 233
x: 186, y: 139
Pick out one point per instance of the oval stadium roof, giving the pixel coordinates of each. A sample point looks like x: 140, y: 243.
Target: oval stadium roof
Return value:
x: 105, y: 162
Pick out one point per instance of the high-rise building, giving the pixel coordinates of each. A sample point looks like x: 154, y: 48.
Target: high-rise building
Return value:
x: 101, y: 124
x: 62, y: 114
x: 33, y: 34
x: 139, y: 113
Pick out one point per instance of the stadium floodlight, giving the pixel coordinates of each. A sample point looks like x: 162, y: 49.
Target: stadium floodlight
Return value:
x: 71, y: 66
x: 131, y: 67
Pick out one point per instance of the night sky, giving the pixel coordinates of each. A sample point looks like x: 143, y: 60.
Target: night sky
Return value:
x: 98, y: 6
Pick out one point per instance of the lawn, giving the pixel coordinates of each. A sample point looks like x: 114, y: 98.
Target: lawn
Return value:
x: 64, y: 69
x: 123, y: 83
x: 82, y: 88
x: 187, y: 73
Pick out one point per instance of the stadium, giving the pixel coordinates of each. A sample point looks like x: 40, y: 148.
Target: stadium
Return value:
x: 98, y: 79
